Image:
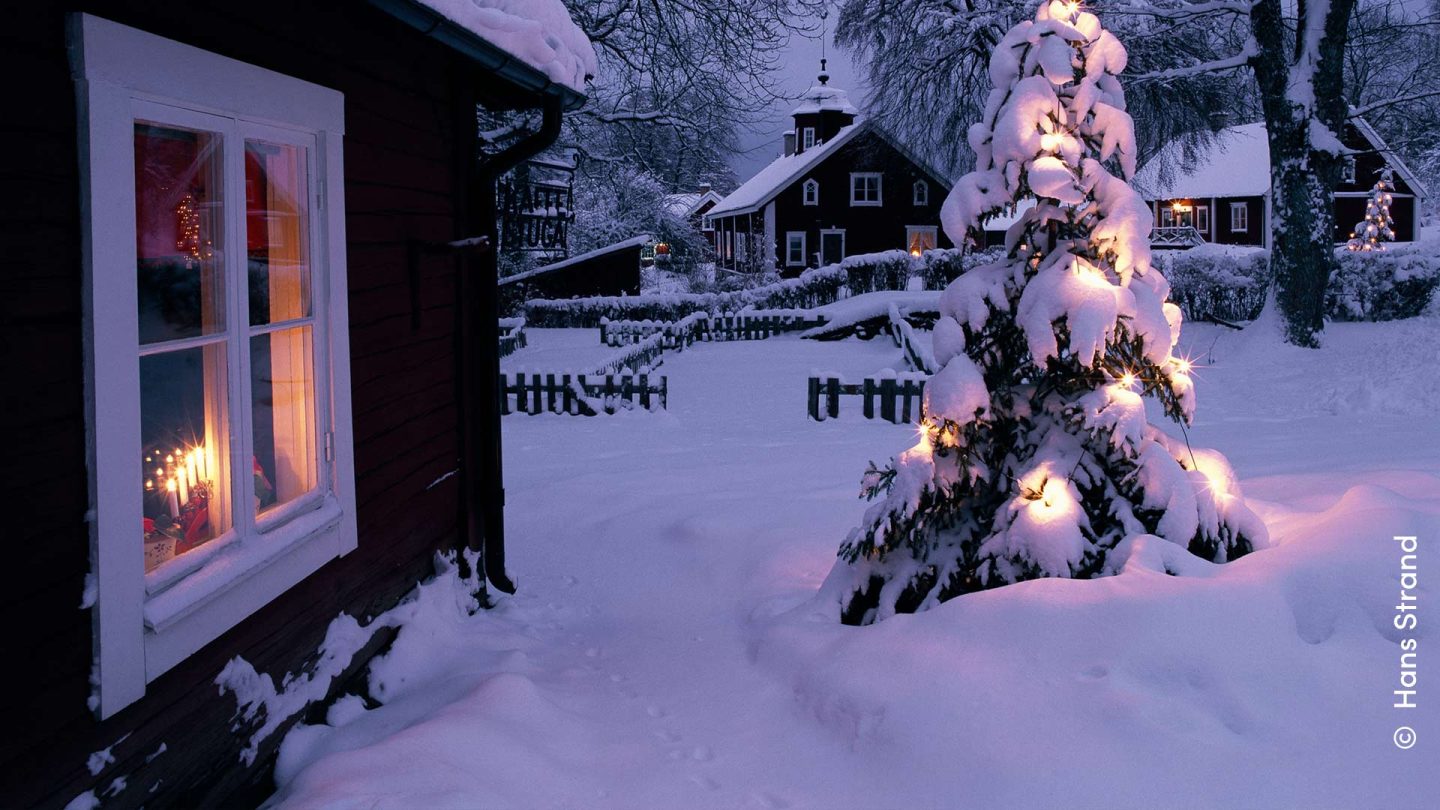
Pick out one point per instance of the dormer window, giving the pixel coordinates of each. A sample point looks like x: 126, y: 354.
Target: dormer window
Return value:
x: 921, y: 193
x: 807, y: 137
x: 1349, y: 169
x: 810, y: 192
x: 865, y: 188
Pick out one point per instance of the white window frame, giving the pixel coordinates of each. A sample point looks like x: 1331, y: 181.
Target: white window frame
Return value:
x: 879, y: 188
x: 933, y: 230
x: 1202, y: 220
x: 810, y: 192
x: 921, y: 192
x: 831, y: 232
x: 1239, y: 217
x: 807, y: 137
x: 791, y: 259
x: 146, y: 624
x: 1348, y: 169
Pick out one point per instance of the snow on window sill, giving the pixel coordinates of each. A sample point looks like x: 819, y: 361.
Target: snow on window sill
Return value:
x: 236, y: 562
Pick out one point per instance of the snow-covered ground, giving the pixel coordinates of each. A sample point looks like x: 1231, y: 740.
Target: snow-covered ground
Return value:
x: 663, y: 650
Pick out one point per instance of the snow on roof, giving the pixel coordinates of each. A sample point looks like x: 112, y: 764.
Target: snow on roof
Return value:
x: 781, y: 172
x: 539, y: 33
x: 634, y: 241
x: 824, y: 97
x: 686, y: 204
x: 1235, y: 164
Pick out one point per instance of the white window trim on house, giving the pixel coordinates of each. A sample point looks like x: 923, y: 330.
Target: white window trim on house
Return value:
x: 1239, y: 217
x: 810, y: 192
x: 1202, y: 220
x: 146, y: 624
x: 807, y: 137
x: 1347, y: 171
x: 794, y: 257
x: 879, y: 188
x: 912, y: 230
x: 921, y: 193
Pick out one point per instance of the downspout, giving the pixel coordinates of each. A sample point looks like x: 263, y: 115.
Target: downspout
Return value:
x: 481, y: 481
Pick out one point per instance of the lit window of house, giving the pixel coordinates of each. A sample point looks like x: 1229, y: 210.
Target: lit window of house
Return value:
x: 1239, y: 217
x: 810, y: 193
x: 215, y: 259
x: 807, y: 137
x: 920, y: 238
x: 921, y: 193
x: 795, y: 248
x: 865, y: 188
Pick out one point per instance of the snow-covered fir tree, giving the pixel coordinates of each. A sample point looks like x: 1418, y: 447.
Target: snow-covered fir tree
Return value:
x: 1377, y: 227
x: 1035, y: 456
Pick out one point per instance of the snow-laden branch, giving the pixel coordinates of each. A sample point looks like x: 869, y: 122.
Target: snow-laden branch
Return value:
x: 1239, y: 60
x: 1356, y: 112
x: 1184, y: 10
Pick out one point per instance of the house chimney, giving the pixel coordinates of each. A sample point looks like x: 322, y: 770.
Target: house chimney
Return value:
x: 790, y: 142
x: 704, y: 188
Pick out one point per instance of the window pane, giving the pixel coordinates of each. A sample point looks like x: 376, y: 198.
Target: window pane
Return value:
x: 184, y: 450
x: 277, y: 231
x: 283, y: 411
x: 178, y: 232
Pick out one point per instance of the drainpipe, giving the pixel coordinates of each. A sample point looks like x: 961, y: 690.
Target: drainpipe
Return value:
x: 481, y: 482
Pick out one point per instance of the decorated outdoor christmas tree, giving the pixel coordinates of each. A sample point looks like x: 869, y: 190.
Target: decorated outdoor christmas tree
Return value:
x: 1035, y: 456
x: 1377, y: 228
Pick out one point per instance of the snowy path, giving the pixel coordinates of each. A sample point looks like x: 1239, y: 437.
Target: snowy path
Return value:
x: 646, y: 661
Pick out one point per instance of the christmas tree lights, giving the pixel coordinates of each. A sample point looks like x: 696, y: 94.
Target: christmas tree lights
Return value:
x: 1036, y: 458
x: 1377, y: 228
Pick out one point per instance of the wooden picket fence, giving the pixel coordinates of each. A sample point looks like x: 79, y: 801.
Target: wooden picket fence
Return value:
x: 512, y: 337
x: 917, y: 354
x: 760, y: 324
x: 900, y: 399
x: 581, y: 394
x: 678, y: 334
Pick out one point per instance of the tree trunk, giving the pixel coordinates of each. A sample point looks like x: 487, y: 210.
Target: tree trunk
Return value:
x: 1302, y: 176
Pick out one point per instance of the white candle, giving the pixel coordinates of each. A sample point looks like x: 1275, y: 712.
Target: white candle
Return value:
x: 170, y: 496
x: 190, y: 468
x: 184, y: 489
x: 204, y: 454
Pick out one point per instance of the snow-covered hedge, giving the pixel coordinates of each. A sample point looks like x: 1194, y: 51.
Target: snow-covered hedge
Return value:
x: 890, y: 270
x: 1217, y: 281
x: 1228, y: 282
x: 1383, y: 285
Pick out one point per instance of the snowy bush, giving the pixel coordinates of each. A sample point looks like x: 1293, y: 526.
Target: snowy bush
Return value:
x: 1224, y: 282
x: 1036, y: 457
x: 1383, y: 285
x: 890, y: 270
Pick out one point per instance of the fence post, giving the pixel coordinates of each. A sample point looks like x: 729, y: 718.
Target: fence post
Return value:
x: 645, y: 391
x: 832, y: 396
x: 906, y: 388
x: 813, y: 399
x: 504, y: 395
x: 868, y: 392
x: 567, y: 397
x: 537, y: 404
x: 887, y: 399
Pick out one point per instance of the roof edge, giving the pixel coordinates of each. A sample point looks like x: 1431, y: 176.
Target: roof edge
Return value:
x: 1390, y: 156
x: 438, y: 27
x: 833, y: 144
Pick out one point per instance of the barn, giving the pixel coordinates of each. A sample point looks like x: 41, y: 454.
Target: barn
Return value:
x: 250, y: 355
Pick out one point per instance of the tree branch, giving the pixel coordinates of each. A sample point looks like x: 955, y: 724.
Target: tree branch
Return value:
x: 1356, y: 112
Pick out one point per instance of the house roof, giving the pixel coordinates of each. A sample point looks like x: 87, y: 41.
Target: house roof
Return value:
x: 534, y: 43
x: 782, y: 171
x: 685, y: 205
x: 824, y: 97
x: 1236, y: 164
x: 1002, y: 222
x: 633, y: 242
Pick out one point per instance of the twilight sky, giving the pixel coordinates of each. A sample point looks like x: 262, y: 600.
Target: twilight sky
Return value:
x: 802, y: 62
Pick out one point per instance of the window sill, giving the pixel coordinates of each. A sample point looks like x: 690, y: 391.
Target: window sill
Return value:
x: 237, y: 562
x: 861, y: 204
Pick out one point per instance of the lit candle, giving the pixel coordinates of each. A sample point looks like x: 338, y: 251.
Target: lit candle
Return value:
x: 171, y: 499
x: 184, y: 489
x: 204, y: 461
x: 190, y: 467
x: 149, y: 485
